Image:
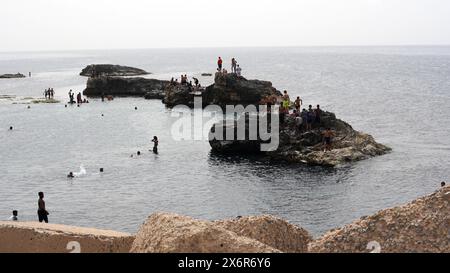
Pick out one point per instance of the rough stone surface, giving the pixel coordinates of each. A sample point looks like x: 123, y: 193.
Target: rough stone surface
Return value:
x: 305, y: 146
x: 123, y: 87
x: 272, y: 231
x: 420, y: 226
x: 32, y: 237
x: 12, y: 76
x: 228, y: 89
x: 112, y: 70
x: 171, y: 233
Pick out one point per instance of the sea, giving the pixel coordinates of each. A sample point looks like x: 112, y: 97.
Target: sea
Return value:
x: 399, y: 95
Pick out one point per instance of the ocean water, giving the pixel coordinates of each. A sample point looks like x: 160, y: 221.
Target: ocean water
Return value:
x: 400, y: 95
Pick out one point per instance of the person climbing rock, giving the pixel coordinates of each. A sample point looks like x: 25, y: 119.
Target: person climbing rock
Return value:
x: 327, y: 137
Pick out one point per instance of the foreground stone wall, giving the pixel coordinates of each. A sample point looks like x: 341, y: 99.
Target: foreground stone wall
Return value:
x: 420, y: 226
x: 32, y: 237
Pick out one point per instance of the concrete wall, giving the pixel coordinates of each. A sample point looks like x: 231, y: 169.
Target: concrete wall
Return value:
x: 33, y: 237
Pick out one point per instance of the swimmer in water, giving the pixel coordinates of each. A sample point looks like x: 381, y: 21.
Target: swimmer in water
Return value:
x: 155, y: 144
x: 70, y: 175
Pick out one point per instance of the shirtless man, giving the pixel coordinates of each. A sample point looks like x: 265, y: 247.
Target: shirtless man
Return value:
x: 298, y: 104
x: 328, y: 134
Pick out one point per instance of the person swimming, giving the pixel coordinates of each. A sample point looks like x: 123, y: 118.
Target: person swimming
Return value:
x: 70, y: 175
x: 14, y: 216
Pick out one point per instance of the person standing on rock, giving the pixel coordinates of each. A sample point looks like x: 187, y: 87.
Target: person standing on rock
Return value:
x: 327, y: 138
x: 42, y: 212
x: 298, y: 104
x: 233, y: 65
x: 219, y: 64
x: 309, y: 118
x: 318, y: 115
x: 79, y: 100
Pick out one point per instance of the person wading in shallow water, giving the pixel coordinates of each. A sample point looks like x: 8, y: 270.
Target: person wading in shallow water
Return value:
x: 42, y: 212
x: 155, y: 144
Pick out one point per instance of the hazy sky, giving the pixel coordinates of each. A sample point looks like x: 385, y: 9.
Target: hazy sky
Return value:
x: 104, y: 24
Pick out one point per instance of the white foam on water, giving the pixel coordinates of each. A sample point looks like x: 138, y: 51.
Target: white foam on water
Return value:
x: 82, y: 172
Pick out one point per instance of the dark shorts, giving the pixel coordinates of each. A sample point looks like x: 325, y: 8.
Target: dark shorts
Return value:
x: 328, y: 140
x: 317, y: 119
x: 309, y: 120
x: 42, y: 216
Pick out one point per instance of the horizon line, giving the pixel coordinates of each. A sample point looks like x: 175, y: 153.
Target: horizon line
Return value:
x: 218, y: 47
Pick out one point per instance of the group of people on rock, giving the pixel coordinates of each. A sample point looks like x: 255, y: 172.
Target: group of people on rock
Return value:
x: 235, y: 68
x: 184, y: 81
x: 80, y: 99
x: 306, y: 118
x: 49, y: 93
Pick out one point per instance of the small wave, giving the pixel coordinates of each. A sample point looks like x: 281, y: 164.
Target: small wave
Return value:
x: 82, y: 172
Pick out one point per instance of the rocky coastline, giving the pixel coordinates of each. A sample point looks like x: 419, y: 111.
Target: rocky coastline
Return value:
x: 420, y: 226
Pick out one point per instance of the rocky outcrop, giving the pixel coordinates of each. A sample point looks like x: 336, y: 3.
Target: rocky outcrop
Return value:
x: 12, y: 76
x: 122, y: 87
x: 420, y: 226
x: 228, y: 89
x: 95, y: 70
x: 301, y: 146
x: 32, y: 237
x: 171, y: 233
x: 270, y: 230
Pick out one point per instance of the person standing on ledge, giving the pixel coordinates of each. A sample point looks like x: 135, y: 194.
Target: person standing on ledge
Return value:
x: 219, y: 64
x: 155, y: 144
x: 42, y: 212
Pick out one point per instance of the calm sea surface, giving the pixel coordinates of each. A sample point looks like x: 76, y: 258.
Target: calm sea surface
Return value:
x: 400, y: 95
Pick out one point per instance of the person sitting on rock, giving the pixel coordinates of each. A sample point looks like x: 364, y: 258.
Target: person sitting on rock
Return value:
x: 238, y: 71
x: 327, y: 138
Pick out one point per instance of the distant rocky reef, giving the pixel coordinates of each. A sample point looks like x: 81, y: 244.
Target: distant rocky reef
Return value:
x: 111, y: 70
x: 12, y: 76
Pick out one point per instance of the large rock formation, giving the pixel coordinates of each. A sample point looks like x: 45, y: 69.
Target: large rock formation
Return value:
x: 171, y: 233
x: 32, y: 237
x: 228, y: 89
x: 12, y: 76
x: 420, y: 226
x: 270, y: 230
x: 111, y: 70
x: 303, y: 146
x: 122, y: 87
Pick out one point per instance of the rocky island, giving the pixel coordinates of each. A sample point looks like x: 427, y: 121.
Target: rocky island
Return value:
x: 12, y: 76
x: 299, y: 146
x: 111, y: 70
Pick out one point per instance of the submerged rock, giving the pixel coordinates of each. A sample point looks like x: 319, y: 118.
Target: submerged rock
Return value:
x: 270, y: 230
x: 122, y: 87
x: 301, y: 146
x: 172, y: 233
x: 111, y: 70
x: 12, y: 76
x: 420, y: 226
